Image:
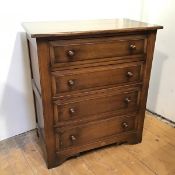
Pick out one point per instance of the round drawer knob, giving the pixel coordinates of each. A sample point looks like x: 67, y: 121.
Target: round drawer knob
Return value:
x: 70, y: 53
x: 73, y: 138
x: 124, y: 124
x: 129, y: 74
x: 71, y: 83
x: 72, y: 111
x: 133, y: 46
x: 127, y: 100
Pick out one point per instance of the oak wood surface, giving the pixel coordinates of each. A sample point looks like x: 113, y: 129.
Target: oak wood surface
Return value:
x: 146, y: 77
x: 83, y: 79
x: 22, y: 155
x: 65, y: 28
x: 97, y: 62
x: 45, y: 80
x: 93, y: 131
x: 92, y: 90
x: 96, y: 48
x: 97, y: 105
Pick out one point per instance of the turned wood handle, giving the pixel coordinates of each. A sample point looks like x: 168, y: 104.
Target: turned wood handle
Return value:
x: 124, y: 124
x: 72, y: 111
x: 70, y: 53
x: 130, y: 74
x: 133, y: 46
x: 73, y: 138
x: 127, y: 100
x: 71, y: 83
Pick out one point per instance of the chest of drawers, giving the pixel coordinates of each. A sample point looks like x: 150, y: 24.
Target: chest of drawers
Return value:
x: 90, y: 82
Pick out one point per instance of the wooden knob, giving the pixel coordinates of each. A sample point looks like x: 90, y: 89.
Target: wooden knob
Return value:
x: 70, y: 53
x: 71, y: 83
x: 124, y: 124
x: 73, y: 138
x: 127, y: 100
x: 133, y: 46
x: 72, y: 111
x: 129, y: 74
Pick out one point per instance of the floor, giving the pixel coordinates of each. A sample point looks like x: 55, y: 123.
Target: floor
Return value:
x: 21, y: 155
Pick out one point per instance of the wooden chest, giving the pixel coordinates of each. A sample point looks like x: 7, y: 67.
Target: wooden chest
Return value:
x: 90, y: 81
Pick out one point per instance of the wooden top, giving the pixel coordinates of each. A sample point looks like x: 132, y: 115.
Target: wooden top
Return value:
x: 65, y: 28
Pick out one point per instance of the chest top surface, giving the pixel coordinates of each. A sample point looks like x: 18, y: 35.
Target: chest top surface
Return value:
x: 66, y: 28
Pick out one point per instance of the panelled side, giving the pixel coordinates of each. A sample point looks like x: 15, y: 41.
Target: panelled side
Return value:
x: 35, y: 77
x: 46, y: 94
x: 151, y: 37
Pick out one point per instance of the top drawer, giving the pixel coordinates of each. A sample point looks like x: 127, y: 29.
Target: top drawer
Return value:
x: 65, y: 51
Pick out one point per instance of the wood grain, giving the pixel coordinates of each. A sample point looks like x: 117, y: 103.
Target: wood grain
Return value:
x: 84, y: 79
x: 61, y: 88
x: 43, y: 59
x: 96, y: 105
x: 95, y: 48
x: 103, y: 26
x: 154, y: 156
x: 95, y: 131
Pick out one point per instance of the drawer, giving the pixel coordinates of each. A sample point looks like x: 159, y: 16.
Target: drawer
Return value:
x: 84, y: 134
x: 96, y: 106
x: 96, y: 77
x: 68, y: 51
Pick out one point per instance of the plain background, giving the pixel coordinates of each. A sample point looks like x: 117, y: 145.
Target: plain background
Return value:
x: 16, y: 101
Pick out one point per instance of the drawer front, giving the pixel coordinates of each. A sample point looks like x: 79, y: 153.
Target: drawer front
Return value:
x: 94, y: 131
x: 95, y: 106
x: 68, y: 81
x: 87, y: 49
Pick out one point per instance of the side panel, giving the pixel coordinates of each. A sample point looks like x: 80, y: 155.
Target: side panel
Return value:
x: 35, y: 78
x: 43, y: 60
x: 146, y: 77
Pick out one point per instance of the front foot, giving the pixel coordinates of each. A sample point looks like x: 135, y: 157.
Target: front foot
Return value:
x: 133, y: 141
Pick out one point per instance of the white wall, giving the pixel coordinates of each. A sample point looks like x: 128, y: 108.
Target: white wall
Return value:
x: 16, y: 101
x: 161, y: 97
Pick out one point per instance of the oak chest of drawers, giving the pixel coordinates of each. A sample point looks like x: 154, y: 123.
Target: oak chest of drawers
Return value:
x: 90, y: 81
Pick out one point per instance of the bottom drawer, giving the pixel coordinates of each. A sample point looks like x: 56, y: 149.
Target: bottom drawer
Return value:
x: 81, y: 135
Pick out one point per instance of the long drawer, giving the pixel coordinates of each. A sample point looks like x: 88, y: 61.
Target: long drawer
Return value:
x: 84, y: 79
x: 96, y: 105
x: 90, y: 132
x: 68, y: 51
